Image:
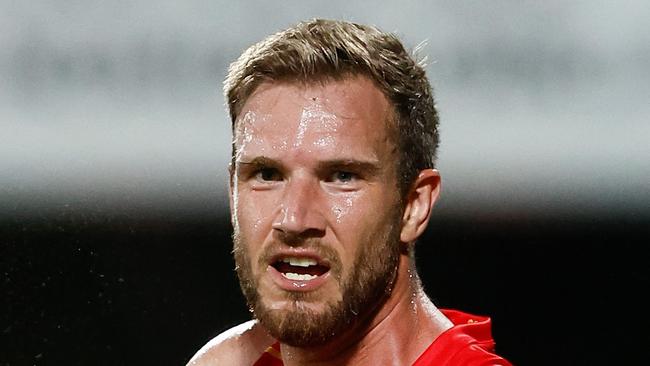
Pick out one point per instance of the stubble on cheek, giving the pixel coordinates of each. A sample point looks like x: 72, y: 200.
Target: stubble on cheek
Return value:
x: 359, y: 292
x: 247, y: 281
x: 251, y: 268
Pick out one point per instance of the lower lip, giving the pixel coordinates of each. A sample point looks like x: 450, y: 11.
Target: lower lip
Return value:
x: 296, y: 285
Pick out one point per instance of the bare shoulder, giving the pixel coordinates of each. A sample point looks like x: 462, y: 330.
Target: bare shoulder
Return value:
x: 240, y: 345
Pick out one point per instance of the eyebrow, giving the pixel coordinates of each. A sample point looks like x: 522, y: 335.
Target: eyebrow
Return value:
x: 258, y: 161
x: 367, y: 166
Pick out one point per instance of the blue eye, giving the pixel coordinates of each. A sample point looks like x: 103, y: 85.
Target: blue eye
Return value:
x: 343, y: 177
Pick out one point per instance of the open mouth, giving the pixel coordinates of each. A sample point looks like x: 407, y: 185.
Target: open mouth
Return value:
x: 300, y: 269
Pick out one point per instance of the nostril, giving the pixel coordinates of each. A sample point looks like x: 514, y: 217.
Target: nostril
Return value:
x: 299, y: 212
x: 307, y: 223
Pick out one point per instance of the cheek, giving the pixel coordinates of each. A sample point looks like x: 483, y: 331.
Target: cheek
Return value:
x: 359, y: 210
x: 342, y: 207
x: 356, y: 219
x: 360, y: 219
x: 255, y: 212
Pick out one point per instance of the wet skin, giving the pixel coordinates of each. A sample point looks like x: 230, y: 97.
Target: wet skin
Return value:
x: 314, y: 178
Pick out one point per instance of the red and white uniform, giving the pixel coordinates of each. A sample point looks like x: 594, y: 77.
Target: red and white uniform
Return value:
x: 468, y: 343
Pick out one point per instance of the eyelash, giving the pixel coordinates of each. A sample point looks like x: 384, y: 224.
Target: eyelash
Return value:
x: 259, y: 174
x: 336, y: 176
x: 270, y: 174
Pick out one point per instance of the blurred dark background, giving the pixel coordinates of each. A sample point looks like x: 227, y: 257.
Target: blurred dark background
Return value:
x: 114, y: 229
x: 124, y: 291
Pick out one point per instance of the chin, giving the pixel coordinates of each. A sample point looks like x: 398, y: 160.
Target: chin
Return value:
x: 302, y: 323
x: 298, y: 303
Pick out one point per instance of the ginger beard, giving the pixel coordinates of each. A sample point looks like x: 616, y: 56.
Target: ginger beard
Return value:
x: 369, y: 283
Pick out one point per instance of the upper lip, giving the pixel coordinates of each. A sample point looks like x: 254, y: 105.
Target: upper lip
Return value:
x: 299, y: 253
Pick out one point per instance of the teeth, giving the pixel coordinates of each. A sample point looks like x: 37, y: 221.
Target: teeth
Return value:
x: 299, y: 277
x: 300, y: 262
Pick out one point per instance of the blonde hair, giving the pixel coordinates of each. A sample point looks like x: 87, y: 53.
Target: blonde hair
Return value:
x: 321, y: 50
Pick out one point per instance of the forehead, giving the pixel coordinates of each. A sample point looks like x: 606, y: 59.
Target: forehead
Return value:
x: 350, y: 109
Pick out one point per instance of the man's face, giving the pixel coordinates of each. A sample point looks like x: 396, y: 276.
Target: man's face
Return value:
x: 315, y: 206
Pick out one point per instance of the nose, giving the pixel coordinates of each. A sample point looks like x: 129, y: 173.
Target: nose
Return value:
x: 300, y: 213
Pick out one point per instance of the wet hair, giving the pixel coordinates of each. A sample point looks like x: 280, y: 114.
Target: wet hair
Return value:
x: 322, y: 50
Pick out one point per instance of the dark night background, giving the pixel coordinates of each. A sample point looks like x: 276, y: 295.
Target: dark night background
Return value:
x: 124, y: 291
x: 114, y: 229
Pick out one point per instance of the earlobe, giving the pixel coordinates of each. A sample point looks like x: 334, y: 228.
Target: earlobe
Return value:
x: 420, y: 200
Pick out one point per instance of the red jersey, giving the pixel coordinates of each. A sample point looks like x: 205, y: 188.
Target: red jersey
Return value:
x: 468, y: 343
x: 270, y: 357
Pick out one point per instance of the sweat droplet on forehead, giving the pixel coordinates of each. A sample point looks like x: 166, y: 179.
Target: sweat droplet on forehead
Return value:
x: 319, y: 121
x: 245, y: 130
x: 312, y: 124
x: 283, y: 120
x: 250, y: 129
x: 247, y: 123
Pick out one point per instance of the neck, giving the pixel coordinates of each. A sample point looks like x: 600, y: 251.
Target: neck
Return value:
x: 396, y: 334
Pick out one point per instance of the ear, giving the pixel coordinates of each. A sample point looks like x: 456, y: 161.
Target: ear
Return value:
x: 423, y: 195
